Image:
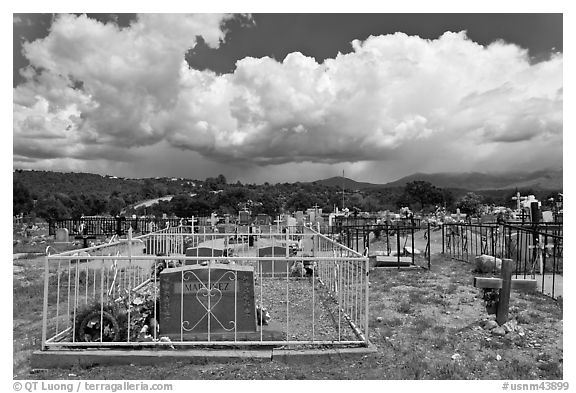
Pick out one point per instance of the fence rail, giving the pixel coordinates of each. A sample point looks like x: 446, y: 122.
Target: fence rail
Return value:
x: 401, y: 238
x: 108, y: 226
x: 139, y: 291
x: 537, y: 250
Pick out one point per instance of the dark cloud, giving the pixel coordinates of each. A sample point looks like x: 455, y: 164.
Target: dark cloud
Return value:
x: 114, y: 94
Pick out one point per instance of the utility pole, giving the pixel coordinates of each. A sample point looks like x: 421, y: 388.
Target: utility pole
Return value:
x: 342, y: 189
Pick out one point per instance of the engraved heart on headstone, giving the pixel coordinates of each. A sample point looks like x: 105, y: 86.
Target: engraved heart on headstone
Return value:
x: 203, y: 295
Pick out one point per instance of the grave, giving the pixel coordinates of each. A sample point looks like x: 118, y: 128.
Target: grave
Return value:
x: 291, y: 222
x: 547, y: 216
x: 62, y: 235
x: 195, y: 300
x: 389, y: 261
x: 299, y: 215
x: 202, y: 252
x: 210, y: 303
x: 504, y: 284
x: 308, y: 245
x: 272, y: 266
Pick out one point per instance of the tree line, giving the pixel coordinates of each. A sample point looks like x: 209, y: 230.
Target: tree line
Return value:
x: 54, y: 195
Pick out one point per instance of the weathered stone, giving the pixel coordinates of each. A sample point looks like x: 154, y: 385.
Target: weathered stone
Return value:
x: 62, y: 235
x: 520, y: 331
x: 510, y: 326
x: 523, y: 317
x: 308, y: 245
x: 491, y: 324
x: 299, y: 217
x: 488, y: 263
x: 499, y: 331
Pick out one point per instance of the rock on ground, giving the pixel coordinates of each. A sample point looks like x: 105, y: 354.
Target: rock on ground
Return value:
x: 487, y: 263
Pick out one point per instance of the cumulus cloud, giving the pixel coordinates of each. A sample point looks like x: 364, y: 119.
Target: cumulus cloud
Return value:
x: 99, y: 84
x: 96, y: 90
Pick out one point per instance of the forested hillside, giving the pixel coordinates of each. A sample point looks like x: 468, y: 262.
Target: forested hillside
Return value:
x: 69, y: 195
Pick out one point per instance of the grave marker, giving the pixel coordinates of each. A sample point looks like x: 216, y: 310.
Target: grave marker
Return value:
x: 202, y: 252
x: 62, y: 235
x: 505, y: 283
x: 308, y: 245
x: 207, y: 302
x: 299, y: 217
x: 273, y: 266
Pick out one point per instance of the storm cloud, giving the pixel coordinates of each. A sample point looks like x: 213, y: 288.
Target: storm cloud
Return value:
x: 97, y: 91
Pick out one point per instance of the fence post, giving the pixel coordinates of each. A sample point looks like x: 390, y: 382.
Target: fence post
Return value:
x: 128, y: 270
x: 366, y: 300
x: 45, y: 305
x: 412, y: 232
x: 493, y: 243
x: 429, y: 246
x: 398, y: 244
x: 443, y: 232
x: 119, y: 226
x: 387, y: 240
x: 504, y: 300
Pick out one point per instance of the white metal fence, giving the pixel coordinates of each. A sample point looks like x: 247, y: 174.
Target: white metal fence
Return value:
x: 187, y: 287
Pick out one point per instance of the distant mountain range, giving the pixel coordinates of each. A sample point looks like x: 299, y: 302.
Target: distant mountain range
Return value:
x: 472, y: 181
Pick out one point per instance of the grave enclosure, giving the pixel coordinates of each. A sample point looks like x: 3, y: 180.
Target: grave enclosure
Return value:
x: 175, y: 287
x: 536, y: 251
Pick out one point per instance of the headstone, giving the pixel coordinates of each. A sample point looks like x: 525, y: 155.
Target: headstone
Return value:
x: 308, y: 245
x: 62, y: 235
x: 291, y: 222
x: 151, y: 227
x: 311, y: 215
x: 198, y: 300
x: 299, y: 218
x: 272, y: 266
x: 243, y: 217
x: 547, y: 216
x: 202, y: 252
x: 535, y: 211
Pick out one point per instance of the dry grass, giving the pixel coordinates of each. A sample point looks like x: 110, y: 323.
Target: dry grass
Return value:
x: 419, y: 319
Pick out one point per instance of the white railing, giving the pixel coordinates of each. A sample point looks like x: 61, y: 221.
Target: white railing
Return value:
x: 163, y: 289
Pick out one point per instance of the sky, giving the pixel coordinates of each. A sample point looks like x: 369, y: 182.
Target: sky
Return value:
x: 287, y: 97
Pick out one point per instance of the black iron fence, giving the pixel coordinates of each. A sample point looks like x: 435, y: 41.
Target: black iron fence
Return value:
x: 109, y: 226
x: 536, y: 249
x: 360, y: 221
x: 398, y: 240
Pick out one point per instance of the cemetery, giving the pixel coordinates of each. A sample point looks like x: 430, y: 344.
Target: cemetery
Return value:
x: 187, y: 289
x: 300, y: 289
